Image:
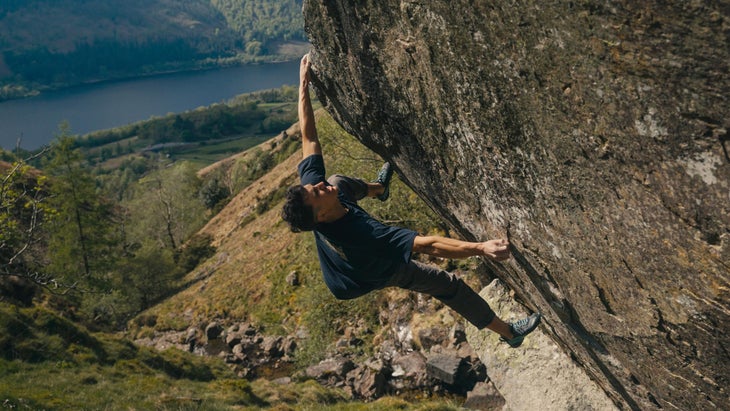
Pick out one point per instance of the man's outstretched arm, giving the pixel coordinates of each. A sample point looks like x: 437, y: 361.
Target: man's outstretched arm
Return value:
x: 310, y: 140
x: 444, y: 247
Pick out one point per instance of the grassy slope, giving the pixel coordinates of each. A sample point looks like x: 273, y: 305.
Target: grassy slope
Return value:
x: 245, y: 280
x: 48, y: 362
x: 57, y: 365
x: 51, y: 363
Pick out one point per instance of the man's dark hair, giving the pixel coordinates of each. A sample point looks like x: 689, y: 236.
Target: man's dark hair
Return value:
x: 300, y: 216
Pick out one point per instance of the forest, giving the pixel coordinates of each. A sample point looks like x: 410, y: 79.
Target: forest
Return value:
x: 55, y: 44
x: 107, y: 219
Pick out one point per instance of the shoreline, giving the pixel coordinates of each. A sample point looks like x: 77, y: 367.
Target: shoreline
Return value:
x: 195, y: 67
x: 108, y: 104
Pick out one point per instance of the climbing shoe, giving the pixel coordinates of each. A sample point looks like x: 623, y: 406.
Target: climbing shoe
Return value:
x: 521, y: 328
x: 384, y: 176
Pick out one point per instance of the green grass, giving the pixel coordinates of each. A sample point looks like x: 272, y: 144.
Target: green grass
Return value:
x: 49, y: 362
x: 208, y: 153
x: 63, y: 366
x: 65, y: 386
x: 139, y: 384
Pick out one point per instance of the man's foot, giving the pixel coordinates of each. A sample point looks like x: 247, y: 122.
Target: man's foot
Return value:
x: 521, y: 328
x: 384, y: 176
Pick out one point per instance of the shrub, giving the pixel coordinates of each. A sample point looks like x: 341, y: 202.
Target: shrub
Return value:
x: 197, y: 249
x: 213, y: 192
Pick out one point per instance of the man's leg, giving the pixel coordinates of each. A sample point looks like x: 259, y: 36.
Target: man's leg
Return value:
x: 452, y: 291
x: 355, y: 189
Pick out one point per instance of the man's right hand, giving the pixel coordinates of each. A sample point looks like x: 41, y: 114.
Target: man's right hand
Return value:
x: 497, y: 250
x: 304, y: 71
x: 444, y: 247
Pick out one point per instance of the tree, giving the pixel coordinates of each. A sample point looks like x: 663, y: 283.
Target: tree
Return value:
x: 254, y: 48
x: 214, y: 192
x: 165, y: 206
x: 140, y: 280
x: 82, y: 241
x: 23, y: 209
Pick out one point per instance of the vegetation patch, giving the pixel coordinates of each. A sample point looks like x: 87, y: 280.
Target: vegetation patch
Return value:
x: 229, y: 271
x: 59, y: 44
x: 83, y: 370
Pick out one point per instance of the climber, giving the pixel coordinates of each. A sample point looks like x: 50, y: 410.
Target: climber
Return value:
x: 358, y: 254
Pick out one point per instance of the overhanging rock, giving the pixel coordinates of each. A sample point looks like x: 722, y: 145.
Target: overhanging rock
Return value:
x: 592, y: 134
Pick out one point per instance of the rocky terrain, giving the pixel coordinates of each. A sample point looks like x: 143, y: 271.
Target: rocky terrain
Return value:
x: 432, y: 359
x: 591, y: 134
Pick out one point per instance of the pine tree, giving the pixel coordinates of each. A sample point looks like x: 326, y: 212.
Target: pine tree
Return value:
x: 82, y: 242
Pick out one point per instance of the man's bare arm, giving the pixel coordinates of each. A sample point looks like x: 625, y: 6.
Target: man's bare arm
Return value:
x: 444, y: 247
x: 310, y: 140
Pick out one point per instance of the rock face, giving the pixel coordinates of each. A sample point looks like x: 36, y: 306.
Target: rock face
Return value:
x: 536, y: 376
x: 593, y: 135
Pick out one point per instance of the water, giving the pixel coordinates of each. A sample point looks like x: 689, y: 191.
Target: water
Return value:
x: 112, y: 104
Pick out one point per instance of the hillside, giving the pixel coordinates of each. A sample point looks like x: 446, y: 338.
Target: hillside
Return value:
x: 260, y: 304
x: 255, y: 252
x: 49, y: 363
x: 59, y: 43
x: 49, y: 360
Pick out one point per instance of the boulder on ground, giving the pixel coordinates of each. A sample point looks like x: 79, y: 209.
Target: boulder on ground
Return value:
x: 213, y: 330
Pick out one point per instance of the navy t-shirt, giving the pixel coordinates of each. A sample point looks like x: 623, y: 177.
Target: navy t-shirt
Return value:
x: 357, y: 253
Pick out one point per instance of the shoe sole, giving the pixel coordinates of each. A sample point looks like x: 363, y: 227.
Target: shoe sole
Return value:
x: 515, y: 342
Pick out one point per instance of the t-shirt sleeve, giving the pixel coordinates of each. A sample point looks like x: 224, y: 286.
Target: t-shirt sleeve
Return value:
x: 394, y: 241
x: 311, y: 169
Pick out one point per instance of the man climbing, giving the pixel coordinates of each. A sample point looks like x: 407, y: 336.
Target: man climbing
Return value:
x: 358, y: 254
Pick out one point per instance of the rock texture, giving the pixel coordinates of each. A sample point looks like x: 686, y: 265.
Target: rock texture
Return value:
x: 536, y: 376
x: 592, y: 134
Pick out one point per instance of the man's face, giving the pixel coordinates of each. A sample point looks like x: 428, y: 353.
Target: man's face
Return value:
x: 319, y: 195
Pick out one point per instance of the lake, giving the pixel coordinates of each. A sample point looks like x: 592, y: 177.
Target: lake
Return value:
x: 111, y: 104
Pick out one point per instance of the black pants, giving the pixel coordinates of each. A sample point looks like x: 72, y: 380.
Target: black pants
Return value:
x: 442, y: 285
x: 447, y: 288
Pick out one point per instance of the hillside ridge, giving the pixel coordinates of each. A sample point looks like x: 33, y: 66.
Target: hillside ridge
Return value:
x: 50, y: 45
